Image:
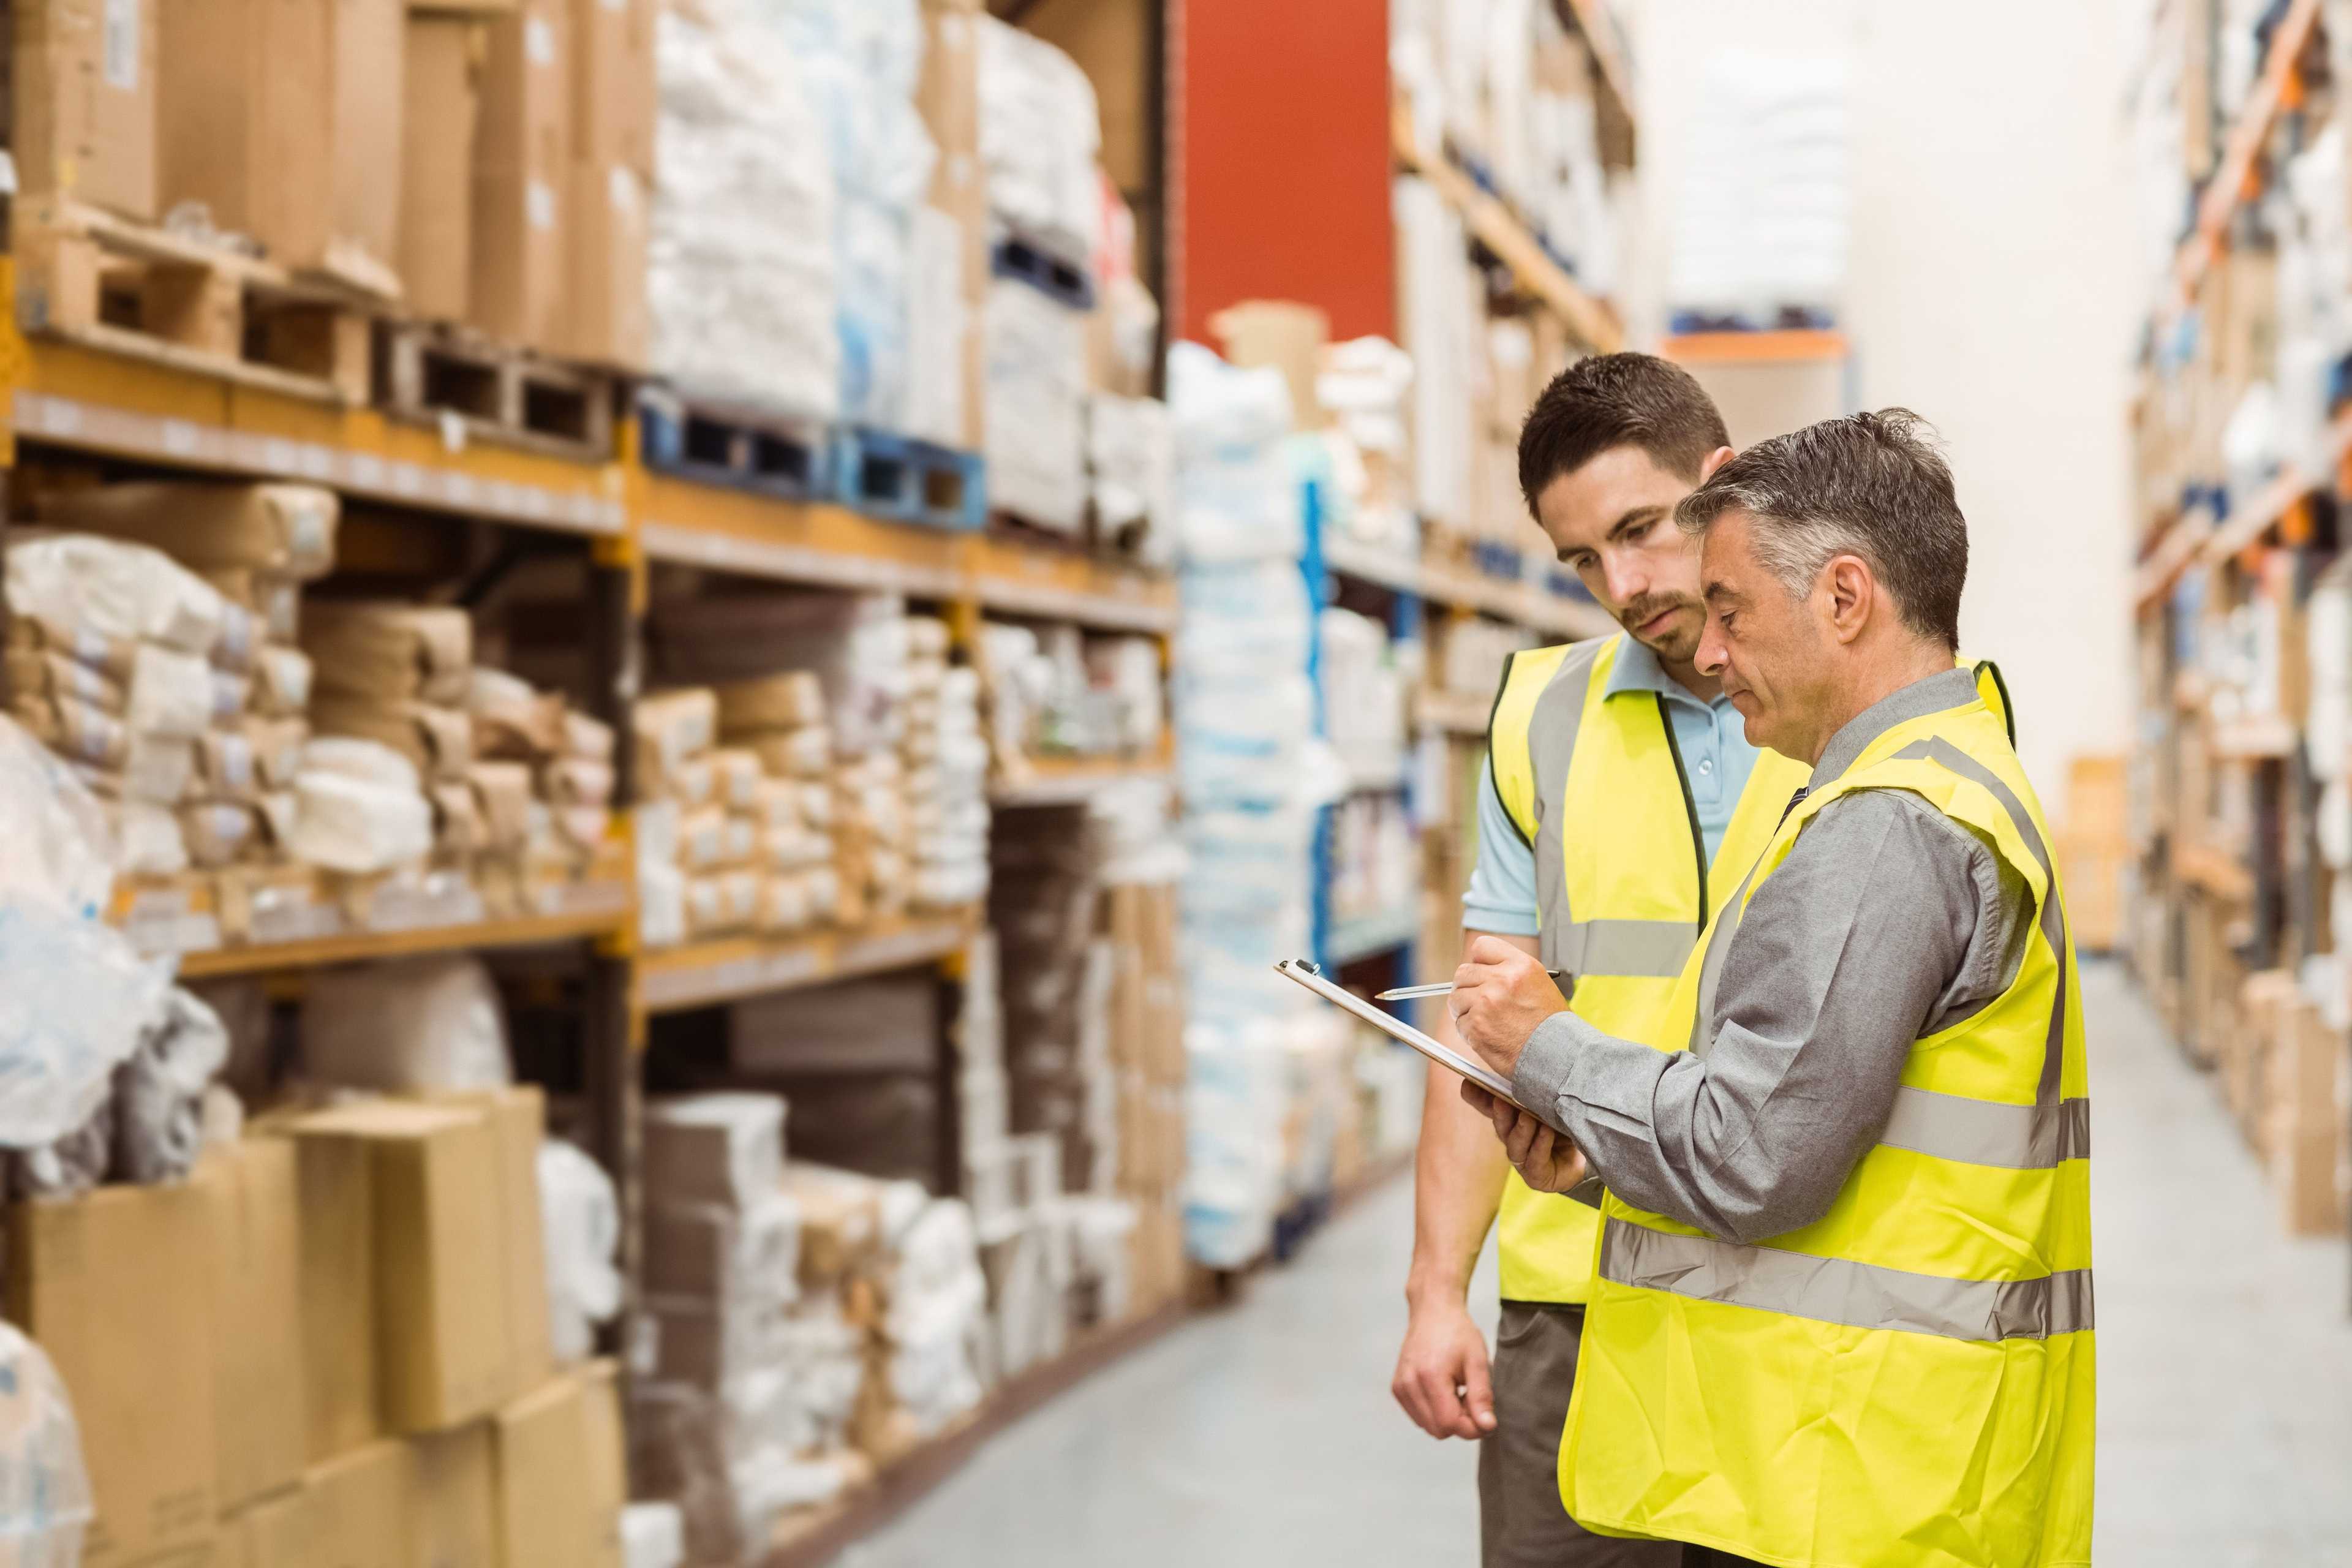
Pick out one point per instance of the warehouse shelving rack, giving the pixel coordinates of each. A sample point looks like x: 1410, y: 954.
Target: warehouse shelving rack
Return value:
x: 80, y: 399
x: 2206, y: 906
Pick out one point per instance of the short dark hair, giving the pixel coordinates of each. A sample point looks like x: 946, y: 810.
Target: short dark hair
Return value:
x: 1618, y: 400
x: 1872, y: 485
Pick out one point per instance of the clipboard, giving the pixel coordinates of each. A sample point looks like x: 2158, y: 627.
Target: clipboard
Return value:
x: 1307, y: 975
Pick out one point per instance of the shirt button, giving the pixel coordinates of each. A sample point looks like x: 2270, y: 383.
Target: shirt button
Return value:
x: 1706, y: 764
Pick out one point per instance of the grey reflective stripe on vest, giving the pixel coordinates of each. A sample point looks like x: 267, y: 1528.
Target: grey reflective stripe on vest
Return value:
x: 1945, y: 754
x: 1835, y: 1290
x: 1987, y: 1132
x: 1649, y: 949
x: 1552, y: 727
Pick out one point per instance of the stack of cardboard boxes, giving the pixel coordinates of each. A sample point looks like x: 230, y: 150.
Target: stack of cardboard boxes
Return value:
x: 1147, y: 1035
x: 329, y: 1347
x: 2286, y: 1076
x: 481, y: 161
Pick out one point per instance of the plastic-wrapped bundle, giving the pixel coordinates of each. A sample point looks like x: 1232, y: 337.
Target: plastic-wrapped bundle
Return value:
x: 159, y: 1092
x: 1131, y: 459
x: 580, y: 1220
x: 1235, y: 496
x: 1439, y: 328
x: 860, y: 59
x: 74, y: 999
x: 45, y: 1501
x: 1760, y: 222
x: 1040, y: 135
x: 741, y: 273
x: 1234, y: 1101
x: 1037, y: 405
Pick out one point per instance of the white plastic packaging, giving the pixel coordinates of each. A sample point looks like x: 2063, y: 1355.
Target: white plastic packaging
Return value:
x: 653, y: 1535
x: 45, y: 1499
x: 1037, y: 405
x: 78, y: 583
x: 74, y: 997
x: 407, y: 1025
x: 580, y: 1216
x: 740, y: 275
x: 350, y: 823
x: 1040, y: 135
x: 58, y: 851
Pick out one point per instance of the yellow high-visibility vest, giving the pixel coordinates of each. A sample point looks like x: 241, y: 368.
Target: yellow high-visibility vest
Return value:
x: 1907, y: 1381
x: 1623, y: 884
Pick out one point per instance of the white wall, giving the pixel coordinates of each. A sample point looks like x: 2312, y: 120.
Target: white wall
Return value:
x: 1988, y: 289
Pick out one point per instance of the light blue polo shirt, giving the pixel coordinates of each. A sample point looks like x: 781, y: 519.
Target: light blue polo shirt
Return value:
x: 1716, y: 758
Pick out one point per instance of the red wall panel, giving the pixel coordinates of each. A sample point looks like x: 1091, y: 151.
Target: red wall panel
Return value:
x: 1278, y: 144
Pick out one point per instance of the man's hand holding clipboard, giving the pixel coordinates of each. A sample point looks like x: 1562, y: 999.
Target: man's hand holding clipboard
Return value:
x: 1498, y: 989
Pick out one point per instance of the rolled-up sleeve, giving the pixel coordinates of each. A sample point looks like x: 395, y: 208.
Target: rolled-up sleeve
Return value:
x: 1844, y: 954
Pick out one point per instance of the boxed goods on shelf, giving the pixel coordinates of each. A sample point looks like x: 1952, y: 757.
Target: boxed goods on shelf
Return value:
x: 83, y: 85
x: 515, y: 282
x: 115, y: 1286
x: 362, y: 1506
x: 442, y: 60
x: 1131, y: 474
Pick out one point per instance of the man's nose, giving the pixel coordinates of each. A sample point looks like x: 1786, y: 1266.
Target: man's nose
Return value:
x: 1625, y: 577
x: 1712, y: 657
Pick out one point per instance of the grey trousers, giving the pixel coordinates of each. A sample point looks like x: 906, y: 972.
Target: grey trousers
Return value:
x: 1521, y: 1523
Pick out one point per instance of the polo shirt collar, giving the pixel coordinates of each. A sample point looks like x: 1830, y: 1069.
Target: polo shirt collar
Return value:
x: 1637, y: 670
x: 1954, y: 688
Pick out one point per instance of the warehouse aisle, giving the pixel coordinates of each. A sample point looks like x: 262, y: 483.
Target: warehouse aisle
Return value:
x: 1265, y: 1435
x: 2225, y: 1354
x: 1259, y: 1435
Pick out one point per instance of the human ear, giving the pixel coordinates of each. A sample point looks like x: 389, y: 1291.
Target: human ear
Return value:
x: 1715, y: 460
x: 1852, y: 592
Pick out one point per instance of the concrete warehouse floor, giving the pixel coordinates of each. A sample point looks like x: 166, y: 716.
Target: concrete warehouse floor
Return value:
x: 1264, y: 1434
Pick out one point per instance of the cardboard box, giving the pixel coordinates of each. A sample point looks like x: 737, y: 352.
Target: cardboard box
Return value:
x: 947, y: 95
x: 82, y: 79
x: 364, y: 1507
x: 457, y: 1505
x: 521, y: 157
x: 441, y: 1327
x: 116, y: 1286
x: 257, y: 1310
x: 245, y: 119
x: 444, y: 58
x: 519, y: 1123
x: 784, y: 700
x: 606, y: 316
x: 724, y: 1148
x: 278, y: 1532
x: 1289, y: 337
x: 369, y: 99
x: 287, y: 531
x: 613, y: 92
x: 605, y: 1489
x: 1111, y: 41
x: 336, y: 1252
x: 542, y: 1462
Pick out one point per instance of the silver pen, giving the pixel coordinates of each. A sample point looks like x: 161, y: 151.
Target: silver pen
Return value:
x: 1406, y: 992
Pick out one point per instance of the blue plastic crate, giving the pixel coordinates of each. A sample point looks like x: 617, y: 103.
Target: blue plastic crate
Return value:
x: 907, y: 480
x: 774, y: 454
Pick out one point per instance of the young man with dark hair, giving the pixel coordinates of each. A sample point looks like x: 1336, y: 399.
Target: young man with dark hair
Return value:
x: 1619, y: 800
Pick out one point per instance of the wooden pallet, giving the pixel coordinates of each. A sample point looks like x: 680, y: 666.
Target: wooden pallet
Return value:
x: 716, y: 444
x: 437, y: 374
x: 87, y: 277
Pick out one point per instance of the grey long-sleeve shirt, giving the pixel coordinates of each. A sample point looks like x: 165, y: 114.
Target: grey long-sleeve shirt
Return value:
x: 1887, y: 920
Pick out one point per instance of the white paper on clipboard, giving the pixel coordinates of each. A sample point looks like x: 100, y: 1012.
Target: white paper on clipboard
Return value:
x: 1389, y: 1024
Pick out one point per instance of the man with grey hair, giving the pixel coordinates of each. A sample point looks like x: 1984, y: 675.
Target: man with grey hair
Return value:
x: 1842, y: 1311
